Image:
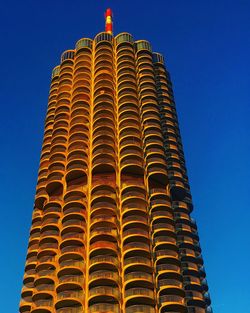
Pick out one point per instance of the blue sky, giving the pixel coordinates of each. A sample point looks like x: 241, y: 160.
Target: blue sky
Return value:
x: 207, y: 50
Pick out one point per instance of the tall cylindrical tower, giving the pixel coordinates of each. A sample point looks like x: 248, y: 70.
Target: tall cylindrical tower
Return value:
x: 111, y: 228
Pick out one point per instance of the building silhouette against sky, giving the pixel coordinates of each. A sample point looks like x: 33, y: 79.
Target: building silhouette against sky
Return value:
x: 111, y: 227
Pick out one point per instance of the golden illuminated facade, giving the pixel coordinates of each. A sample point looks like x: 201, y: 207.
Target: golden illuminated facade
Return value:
x: 111, y: 228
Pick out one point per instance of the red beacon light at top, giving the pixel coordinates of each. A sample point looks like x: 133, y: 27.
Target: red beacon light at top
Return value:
x: 108, y: 21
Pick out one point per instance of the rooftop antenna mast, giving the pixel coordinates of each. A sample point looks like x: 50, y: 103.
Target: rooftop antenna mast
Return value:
x: 109, y: 21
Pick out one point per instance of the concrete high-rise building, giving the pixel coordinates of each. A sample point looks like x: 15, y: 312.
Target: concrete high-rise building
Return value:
x: 111, y: 227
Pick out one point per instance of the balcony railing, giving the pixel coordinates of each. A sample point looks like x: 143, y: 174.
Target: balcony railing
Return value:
x: 139, y: 292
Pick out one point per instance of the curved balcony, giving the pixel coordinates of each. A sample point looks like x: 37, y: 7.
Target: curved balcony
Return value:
x: 75, y: 308
x: 82, y: 96
x: 46, y: 270
x: 103, y: 233
x: 70, y: 280
x: 140, y: 308
x: 76, y: 173
x: 73, y: 219
x: 74, y: 206
x: 140, y: 219
x: 102, y: 222
x: 172, y: 302
x: 195, y: 298
x: 24, y: 306
x: 103, y: 262
x: 130, y: 140
x: 136, y: 231
x: 50, y: 219
x: 45, y: 258
x: 71, y: 261
x: 131, y: 152
x: 69, y: 298
x: 134, y: 247
x: 139, y: 296
x: 131, y: 204
x: 48, y: 243
x: 168, y: 251
x: 104, y: 308
x: 72, y: 234
x: 43, y: 305
x: 137, y: 263
x: 165, y: 226
x: 138, y: 279
x: 103, y: 247
x: 103, y: 278
x: 74, y: 196
x: 44, y: 283
x: 104, y: 162
x: 77, y: 248
x: 168, y: 237
x: 168, y: 267
x: 103, y: 294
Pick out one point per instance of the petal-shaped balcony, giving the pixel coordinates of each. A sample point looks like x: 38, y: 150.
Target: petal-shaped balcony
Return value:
x: 103, y: 294
x: 134, y: 247
x: 68, y: 298
x: 104, y: 308
x: 42, y: 303
x: 70, y: 258
x: 132, y: 164
x: 104, y: 132
x: 74, y: 219
x: 157, y: 173
x: 75, y: 308
x: 130, y: 142
x: 47, y: 269
x: 50, y: 219
x: 103, y: 262
x: 139, y: 262
x: 131, y: 152
x: 71, y: 246
x: 172, y: 302
x: 83, y: 69
x: 76, y: 169
x: 103, y: 221
x: 74, y: 206
x: 137, y: 279
x: 48, y: 243
x: 103, y: 247
x: 139, y: 296
x: 81, y: 94
x: 70, y: 234
x: 169, y: 281
x: 103, y: 278
x: 24, y: 306
x: 195, y: 298
x: 129, y: 205
x: 81, y: 90
x: 33, y: 245
x: 128, y: 101
x: 140, y: 308
x: 167, y: 237
x: 70, y: 279
x: 75, y: 197
x: 103, y: 162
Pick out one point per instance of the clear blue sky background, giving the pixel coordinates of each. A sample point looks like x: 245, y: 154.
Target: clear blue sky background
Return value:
x: 207, y: 49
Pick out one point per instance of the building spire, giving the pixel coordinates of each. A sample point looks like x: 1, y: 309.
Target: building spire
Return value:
x: 108, y: 21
